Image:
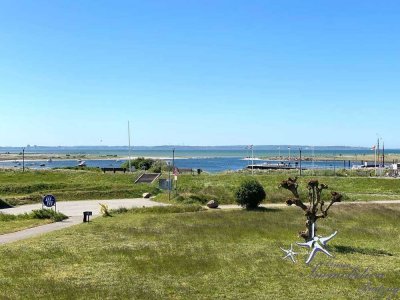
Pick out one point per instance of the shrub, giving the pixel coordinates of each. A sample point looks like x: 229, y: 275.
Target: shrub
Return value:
x: 4, y: 204
x: 48, y: 214
x: 104, y: 210
x: 250, y: 194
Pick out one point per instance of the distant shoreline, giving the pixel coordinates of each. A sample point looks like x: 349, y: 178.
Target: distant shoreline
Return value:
x: 60, y: 157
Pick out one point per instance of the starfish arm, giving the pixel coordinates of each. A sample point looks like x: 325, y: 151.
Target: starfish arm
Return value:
x: 286, y: 251
x: 311, y: 256
x: 324, y: 240
x: 308, y: 244
x: 319, y: 248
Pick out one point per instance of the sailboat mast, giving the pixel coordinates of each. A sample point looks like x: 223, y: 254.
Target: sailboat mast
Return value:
x: 129, y: 147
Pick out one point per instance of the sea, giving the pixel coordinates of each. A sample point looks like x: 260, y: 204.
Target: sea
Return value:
x: 208, y: 159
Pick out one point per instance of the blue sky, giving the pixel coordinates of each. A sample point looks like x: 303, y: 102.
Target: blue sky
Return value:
x: 199, y: 72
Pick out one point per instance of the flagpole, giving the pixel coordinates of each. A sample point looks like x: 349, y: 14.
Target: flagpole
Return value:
x: 252, y: 160
x: 375, y: 159
x: 129, y: 148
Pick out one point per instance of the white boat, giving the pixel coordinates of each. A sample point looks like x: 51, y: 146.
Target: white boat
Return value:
x: 82, y: 164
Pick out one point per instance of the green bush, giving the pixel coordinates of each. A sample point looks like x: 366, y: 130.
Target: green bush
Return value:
x: 4, y: 204
x: 250, y: 194
x: 141, y: 163
x: 48, y: 214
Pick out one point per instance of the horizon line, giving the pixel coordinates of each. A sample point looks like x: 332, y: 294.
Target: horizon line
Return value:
x: 192, y: 146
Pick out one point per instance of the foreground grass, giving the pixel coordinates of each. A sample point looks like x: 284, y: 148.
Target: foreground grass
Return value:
x: 148, y: 254
x: 17, y: 225
x: 18, y: 187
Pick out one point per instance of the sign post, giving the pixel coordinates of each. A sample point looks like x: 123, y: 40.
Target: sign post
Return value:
x: 49, y: 201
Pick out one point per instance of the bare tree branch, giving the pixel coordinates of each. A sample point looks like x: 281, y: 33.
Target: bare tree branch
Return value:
x: 315, y: 210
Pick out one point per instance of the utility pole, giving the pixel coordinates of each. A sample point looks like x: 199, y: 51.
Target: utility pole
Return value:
x: 300, y: 160
x: 375, y: 160
x: 252, y: 160
x: 23, y: 159
x: 129, y: 148
x: 173, y: 165
x: 169, y: 180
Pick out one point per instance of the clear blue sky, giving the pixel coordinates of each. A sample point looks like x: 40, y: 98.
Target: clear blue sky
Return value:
x: 199, y: 72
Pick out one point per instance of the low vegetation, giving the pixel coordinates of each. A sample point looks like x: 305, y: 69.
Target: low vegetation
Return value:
x: 141, y: 163
x: 221, y: 187
x: 11, y: 223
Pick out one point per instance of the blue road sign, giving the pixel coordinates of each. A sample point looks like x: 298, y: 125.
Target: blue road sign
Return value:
x: 49, y: 200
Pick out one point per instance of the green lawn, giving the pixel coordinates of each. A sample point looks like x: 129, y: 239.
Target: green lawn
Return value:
x: 158, y: 254
x: 20, y: 224
x: 221, y: 187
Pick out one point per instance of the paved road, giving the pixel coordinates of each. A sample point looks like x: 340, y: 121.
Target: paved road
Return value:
x: 76, y: 208
x: 27, y: 233
x: 73, y: 209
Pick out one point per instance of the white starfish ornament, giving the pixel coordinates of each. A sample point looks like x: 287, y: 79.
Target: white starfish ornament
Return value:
x: 289, y: 253
x: 316, y: 244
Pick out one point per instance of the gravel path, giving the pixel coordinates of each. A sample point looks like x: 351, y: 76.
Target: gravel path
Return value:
x: 276, y: 205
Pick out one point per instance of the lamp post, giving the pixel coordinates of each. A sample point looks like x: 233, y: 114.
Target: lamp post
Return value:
x: 129, y: 149
x: 289, y: 153
x: 173, y: 163
x: 169, y: 180
x: 300, y: 160
x: 23, y: 159
x: 252, y: 160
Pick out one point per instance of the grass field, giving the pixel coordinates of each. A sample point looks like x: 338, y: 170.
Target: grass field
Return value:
x: 20, y: 224
x: 170, y: 253
x: 18, y: 187
x: 221, y: 187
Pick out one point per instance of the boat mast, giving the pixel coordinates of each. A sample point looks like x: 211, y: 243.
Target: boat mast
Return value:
x: 129, y: 147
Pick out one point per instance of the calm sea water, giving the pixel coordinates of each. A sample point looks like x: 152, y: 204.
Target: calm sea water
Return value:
x: 207, y: 160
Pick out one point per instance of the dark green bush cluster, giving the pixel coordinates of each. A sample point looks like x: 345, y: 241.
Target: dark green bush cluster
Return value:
x: 142, y: 163
x: 250, y: 194
x: 48, y: 214
x: 4, y: 204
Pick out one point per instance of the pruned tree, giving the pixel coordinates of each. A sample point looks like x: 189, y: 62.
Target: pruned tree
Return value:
x: 315, y: 210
